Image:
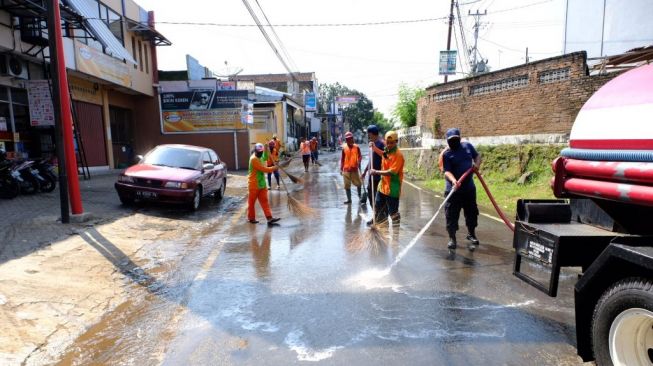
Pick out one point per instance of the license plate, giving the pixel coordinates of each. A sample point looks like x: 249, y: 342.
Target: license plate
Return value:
x: 146, y: 194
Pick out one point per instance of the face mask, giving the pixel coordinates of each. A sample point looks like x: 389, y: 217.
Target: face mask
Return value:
x: 453, y: 144
x: 258, y: 154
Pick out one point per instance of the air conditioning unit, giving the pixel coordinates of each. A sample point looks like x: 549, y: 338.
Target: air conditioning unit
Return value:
x: 13, y: 66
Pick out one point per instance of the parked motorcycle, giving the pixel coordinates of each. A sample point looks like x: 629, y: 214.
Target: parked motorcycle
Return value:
x: 47, y: 173
x: 9, y: 186
x: 28, y: 177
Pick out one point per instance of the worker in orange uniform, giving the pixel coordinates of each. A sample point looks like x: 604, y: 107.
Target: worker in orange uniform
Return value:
x: 273, y: 160
x: 314, y: 150
x: 350, y: 162
x: 256, y: 184
x: 392, y: 175
x: 305, y: 150
x: 277, y: 143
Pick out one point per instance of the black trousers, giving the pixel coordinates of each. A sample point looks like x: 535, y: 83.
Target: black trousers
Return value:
x: 465, y: 200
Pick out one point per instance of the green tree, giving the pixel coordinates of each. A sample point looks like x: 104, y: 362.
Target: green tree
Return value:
x: 382, y: 122
x: 406, y: 108
x: 359, y: 115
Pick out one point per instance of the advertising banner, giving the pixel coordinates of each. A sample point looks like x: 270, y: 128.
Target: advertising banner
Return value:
x: 94, y: 62
x: 41, y: 111
x: 348, y: 99
x: 202, y: 110
x: 310, y: 102
x: 247, y: 112
x: 448, y: 62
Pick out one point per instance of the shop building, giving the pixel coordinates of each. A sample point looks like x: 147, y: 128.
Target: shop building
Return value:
x: 110, y: 56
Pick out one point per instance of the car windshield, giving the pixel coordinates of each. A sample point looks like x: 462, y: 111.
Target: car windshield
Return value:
x: 174, y: 157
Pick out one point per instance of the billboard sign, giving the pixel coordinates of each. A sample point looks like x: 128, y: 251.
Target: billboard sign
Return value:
x: 94, y: 62
x: 448, y: 62
x: 347, y: 99
x: 310, y: 102
x: 202, y: 110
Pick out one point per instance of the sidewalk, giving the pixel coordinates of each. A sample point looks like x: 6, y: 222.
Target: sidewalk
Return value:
x: 58, y: 280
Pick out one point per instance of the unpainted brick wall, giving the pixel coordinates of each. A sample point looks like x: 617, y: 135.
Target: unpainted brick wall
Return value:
x: 535, y: 108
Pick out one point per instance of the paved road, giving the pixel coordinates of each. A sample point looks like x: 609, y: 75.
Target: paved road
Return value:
x: 253, y: 295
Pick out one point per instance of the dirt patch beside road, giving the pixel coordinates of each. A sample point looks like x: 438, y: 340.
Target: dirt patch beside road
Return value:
x: 56, y: 281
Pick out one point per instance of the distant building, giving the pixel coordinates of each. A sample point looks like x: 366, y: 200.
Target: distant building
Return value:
x: 110, y: 50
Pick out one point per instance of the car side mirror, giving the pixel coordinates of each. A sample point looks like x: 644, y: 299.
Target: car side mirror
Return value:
x: 208, y: 166
x: 139, y: 158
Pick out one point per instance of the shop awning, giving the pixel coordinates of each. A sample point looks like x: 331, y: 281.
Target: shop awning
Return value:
x: 148, y: 33
x: 100, y: 30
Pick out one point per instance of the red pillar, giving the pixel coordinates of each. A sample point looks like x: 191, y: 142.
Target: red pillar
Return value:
x: 66, y: 116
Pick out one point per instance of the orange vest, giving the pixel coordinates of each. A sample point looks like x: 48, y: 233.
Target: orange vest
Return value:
x: 273, y: 158
x: 313, y: 145
x: 304, y: 148
x: 351, y: 159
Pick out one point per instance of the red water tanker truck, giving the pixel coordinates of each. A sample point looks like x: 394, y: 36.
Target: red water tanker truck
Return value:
x: 601, y: 222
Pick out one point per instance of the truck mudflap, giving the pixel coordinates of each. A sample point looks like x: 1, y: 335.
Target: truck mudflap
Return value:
x: 624, y: 257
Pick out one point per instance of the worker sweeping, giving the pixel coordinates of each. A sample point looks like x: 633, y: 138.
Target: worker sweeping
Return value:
x: 456, y: 160
x: 256, y: 184
x: 273, y: 159
x: 392, y: 176
x: 305, y: 150
x: 314, y: 150
x: 350, y: 162
x: 375, y: 163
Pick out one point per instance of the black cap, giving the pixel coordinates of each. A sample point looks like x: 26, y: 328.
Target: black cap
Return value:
x: 373, y: 129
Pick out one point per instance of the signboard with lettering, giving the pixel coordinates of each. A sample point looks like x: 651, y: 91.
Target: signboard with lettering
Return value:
x: 202, y: 110
x: 310, y: 102
x: 93, y: 62
x: 41, y: 111
x: 448, y: 62
x: 348, y: 99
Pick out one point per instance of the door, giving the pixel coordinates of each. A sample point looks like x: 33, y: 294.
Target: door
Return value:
x: 88, y: 118
x: 210, y: 179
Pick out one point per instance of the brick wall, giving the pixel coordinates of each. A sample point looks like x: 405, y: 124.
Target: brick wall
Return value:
x: 537, y: 98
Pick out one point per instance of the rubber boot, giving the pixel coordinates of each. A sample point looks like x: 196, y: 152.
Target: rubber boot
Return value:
x: 360, y: 196
x: 452, y: 241
x: 473, y: 242
x: 348, y: 201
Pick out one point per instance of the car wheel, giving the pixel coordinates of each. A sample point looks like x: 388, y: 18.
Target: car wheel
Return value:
x: 622, y: 326
x: 197, y: 199
x: 219, y: 194
x: 126, y: 200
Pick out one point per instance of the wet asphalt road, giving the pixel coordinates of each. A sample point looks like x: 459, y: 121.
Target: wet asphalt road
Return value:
x: 295, y: 293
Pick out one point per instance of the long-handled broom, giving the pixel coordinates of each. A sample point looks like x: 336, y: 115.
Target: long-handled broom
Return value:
x: 376, y: 235
x: 294, y: 179
x: 296, y: 207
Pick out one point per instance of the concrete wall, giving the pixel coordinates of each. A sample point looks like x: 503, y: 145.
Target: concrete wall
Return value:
x: 537, y: 98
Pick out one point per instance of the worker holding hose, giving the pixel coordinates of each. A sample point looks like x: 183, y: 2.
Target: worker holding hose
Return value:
x: 392, y: 175
x: 457, y: 159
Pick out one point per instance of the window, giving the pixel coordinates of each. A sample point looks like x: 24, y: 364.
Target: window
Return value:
x: 214, y: 156
x: 206, y: 157
x: 449, y: 94
x: 551, y: 76
x: 499, y: 85
x: 113, y: 21
x: 147, y: 59
x: 140, y: 54
x: 134, y: 51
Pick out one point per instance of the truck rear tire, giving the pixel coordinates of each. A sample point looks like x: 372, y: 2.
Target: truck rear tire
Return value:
x: 622, y: 325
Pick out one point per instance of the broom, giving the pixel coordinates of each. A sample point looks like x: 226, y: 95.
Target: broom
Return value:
x: 296, y: 207
x: 285, y: 163
x: 294, y: 179
x: 376, y: 236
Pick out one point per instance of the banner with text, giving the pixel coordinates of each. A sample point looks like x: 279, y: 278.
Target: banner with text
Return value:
x: 202, y: 110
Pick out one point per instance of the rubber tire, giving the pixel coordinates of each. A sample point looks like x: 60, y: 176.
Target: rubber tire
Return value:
x: 623, y: 295
x: 10, y: 189
x: 34, y: 186
x: 219, y: 194
x: 195, y: 204
x: 49, y: 185
x: 126, y: 201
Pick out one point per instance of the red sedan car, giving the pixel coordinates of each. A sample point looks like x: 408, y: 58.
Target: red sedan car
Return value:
x: 174, y: 174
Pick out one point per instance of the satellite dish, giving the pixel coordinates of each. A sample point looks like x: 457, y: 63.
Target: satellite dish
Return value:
x: 228, y: 72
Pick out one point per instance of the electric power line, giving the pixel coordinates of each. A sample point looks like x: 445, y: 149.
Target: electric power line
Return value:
x: 283, y: 47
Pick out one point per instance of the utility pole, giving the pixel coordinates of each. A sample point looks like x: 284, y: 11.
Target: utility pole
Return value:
x: 68, y: 178
x: 477, y: 24
x: 446, y: 77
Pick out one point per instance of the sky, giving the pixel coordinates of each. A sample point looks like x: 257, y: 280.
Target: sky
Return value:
x: 373, y: 59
